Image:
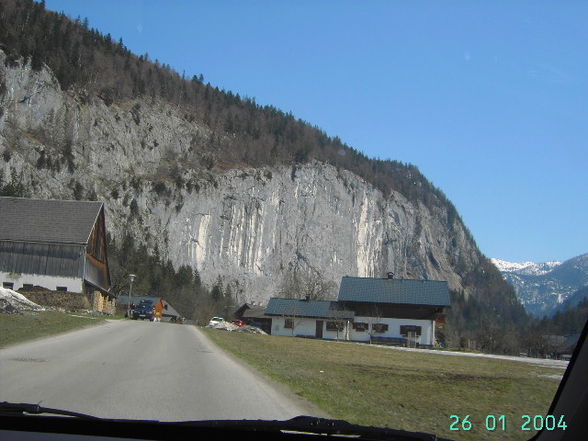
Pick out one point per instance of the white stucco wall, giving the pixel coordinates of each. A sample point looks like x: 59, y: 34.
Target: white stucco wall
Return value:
x: 49, y: 282
x: 332, y: 335
x: 305, y: 327
x: 427, y: 329
x: 302, y: 327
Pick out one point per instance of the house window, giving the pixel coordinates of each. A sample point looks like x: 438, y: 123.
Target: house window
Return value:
x: 405, y: 330
x: 335, y: 326
x: 360, y: 327
x: 288, y: 324
x: 27, y: 285
x: 8, y: 285
x: 62, y: 288
x: 380, y: 327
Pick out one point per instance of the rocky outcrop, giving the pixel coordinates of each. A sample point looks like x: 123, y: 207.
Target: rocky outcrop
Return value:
x: 150, y: 164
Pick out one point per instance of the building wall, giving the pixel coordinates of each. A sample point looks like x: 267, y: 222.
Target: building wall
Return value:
x: 345, y: 334
x: 72, y: 284
x: 302, y: 327
x: 306, y: 327
x: 427, y: 329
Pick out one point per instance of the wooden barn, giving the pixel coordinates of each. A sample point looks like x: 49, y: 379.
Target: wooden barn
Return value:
x: 56, y: 245
x: 254, y: 315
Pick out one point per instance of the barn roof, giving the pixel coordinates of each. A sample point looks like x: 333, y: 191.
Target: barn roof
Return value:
x: 255, y: 312
x: 306, y: 308
x: 47, y: 220
x: 394, y: 291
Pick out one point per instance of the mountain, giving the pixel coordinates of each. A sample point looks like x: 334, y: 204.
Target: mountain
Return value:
x: 543, y: 288
x: 526, y: 268
x: 575, y: 299
x: 244, y: 194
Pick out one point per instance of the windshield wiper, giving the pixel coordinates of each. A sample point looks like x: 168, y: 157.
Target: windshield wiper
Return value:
x: 308, y: 424
x: 300, y: 424
x: 10, y: 409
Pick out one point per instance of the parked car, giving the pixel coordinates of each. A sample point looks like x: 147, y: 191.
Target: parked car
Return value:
x: 215, y: 320
x: 238, y: 323
x: 143, y: 311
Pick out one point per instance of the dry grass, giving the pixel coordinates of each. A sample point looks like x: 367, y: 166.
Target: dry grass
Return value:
x: 405, y: 390
x: 16, y: 328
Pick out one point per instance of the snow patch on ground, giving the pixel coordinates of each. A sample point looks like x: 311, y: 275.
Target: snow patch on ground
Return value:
x: 228, y: 326
x: 12, y: 302
x: 225, y: 326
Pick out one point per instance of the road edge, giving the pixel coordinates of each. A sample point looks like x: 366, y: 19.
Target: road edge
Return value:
x: 313, y: 409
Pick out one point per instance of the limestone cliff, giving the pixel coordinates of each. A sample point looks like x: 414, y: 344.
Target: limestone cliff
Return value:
x: 148, y: 162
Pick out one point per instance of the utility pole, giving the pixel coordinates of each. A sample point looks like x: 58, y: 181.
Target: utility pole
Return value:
x: 131, y: 278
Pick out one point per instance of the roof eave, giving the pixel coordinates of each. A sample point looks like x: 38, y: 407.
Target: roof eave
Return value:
x: 95, y: 220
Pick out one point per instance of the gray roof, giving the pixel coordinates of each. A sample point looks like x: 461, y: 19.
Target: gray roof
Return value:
x: 254, y: 312
x: 397, y: 291
x: 47, y: 221
x: 306, y: 308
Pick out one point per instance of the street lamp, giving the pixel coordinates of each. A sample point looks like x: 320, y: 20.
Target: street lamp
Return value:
x: 131, y: 278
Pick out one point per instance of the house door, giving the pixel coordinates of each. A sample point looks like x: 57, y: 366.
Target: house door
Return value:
x: 319, y: 329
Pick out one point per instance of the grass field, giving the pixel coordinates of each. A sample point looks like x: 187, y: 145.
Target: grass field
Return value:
x: 16, y: 328
x: 405, y: 390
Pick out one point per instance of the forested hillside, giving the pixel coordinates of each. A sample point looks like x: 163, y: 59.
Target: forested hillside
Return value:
x: 244, y: 133
x: 248, y: 158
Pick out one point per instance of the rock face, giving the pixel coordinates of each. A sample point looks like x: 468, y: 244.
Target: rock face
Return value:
x: 249, y: 226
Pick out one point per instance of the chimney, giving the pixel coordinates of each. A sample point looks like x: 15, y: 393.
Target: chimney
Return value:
x: 390, y: 275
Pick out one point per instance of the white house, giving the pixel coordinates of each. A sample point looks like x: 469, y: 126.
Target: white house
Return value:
x: 377, y: 310
x: 309, y: 318
x: 396, y: 311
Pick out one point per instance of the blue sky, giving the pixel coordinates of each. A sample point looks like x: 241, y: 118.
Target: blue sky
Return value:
x: 488, y: 99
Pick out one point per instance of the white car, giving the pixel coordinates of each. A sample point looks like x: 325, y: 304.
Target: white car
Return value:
x: 215, y: 321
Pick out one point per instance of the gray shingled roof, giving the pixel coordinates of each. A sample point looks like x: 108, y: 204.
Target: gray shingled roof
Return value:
x: 254, y: 312
x: 47, y: 221
x: 306, y: 308
x: 399, y: 291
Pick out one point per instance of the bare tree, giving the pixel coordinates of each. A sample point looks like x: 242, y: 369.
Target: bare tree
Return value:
x: 293, y: 317
x: 375, y: 316
x: 310, y: 286
x: 341, y: 324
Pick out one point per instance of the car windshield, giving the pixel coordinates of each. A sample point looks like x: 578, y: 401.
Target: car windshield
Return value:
x: 365, y: 211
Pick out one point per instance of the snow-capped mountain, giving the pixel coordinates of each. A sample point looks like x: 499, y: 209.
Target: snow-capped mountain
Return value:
x: 528, y: 268
x: 543, y: 287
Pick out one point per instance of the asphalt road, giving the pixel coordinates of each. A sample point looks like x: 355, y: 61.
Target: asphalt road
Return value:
x: 141, y: 370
